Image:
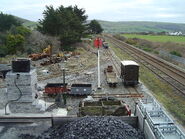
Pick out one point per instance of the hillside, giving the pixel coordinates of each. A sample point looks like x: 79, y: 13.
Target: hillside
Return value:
x: 141, y: 26
x: 27, y: 23
x: 126, y: 26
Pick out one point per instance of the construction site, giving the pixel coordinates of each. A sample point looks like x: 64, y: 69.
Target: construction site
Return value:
x: 88, y: 93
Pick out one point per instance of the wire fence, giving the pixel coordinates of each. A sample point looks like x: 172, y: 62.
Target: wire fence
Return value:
x: 171, y: 57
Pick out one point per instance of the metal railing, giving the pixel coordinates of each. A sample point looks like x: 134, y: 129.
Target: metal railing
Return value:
x: 160, y: 123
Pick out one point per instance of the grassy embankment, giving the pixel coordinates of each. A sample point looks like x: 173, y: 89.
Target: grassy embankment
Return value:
x: 173, y: 102
x: 158, y: 38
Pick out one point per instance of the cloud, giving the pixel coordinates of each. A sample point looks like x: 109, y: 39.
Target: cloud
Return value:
x: 167, y: 15
x: 114, y: 10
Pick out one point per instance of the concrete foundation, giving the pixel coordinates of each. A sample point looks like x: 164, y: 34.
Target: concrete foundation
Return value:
x: 25, y: 81
x: 21, y: 91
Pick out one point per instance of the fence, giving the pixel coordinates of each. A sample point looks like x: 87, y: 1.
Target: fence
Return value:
x: 171, y: 57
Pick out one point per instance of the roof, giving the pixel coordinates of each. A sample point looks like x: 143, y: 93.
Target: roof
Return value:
x: 129, y: 62
x: 5, y: 67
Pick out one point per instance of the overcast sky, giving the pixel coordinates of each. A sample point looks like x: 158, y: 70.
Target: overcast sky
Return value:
x: 111, y: 10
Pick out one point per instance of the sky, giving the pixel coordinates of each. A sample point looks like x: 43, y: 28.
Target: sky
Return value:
x: 109, y: 10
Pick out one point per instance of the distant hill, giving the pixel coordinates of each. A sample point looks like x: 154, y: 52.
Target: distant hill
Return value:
x: 125, y: 26
x: 141, y: 26
x: 27, y: 23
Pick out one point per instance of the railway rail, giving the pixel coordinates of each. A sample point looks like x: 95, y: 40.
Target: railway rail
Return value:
x: 164, y: 70
x: 132, y: 91
x: 120, y: 95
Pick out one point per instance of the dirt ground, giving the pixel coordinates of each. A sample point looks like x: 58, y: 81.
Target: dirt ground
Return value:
x: 77, y: 68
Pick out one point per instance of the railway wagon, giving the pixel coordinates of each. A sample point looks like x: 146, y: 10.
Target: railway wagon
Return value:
x: 111, y: 76
x: 81, y: 89
x: 105, y: 45
x: 129, y: 72
x: 55, y: 88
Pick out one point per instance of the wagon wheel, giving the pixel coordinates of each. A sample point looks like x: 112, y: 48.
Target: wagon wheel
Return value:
x: 114, y: 85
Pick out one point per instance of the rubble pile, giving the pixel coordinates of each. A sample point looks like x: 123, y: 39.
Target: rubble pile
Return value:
x: 94, y: 128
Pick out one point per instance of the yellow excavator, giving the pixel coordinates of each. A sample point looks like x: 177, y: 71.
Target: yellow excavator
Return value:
x: 47, y: 52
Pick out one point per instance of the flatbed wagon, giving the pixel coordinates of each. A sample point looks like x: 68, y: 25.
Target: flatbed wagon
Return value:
x: 111, y: 76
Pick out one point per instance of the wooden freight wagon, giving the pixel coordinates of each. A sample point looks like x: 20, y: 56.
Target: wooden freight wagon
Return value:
x: 129, y: 72
x: 55, y: 88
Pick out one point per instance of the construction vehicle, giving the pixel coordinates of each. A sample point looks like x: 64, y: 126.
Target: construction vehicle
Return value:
x: 47, y: 52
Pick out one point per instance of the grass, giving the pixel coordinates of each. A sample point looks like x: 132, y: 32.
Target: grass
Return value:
x: 172, y: 101
x: 157, y: 38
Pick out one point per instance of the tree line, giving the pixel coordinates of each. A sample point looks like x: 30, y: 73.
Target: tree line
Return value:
x: 69, y: 24
x: 12, y: 35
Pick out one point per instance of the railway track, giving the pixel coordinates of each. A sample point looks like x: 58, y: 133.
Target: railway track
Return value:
x: 164, y: 70
x: 114, y: 61
x: 132, y: 91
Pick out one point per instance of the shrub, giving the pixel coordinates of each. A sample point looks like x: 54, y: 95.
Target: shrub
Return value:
x: 119, y: 37
x: 175, y: 53
x: 3, y: 51
x: 156, y: 52
x: 14, y: 43
x: 147, y: 49
x: 131, y: 41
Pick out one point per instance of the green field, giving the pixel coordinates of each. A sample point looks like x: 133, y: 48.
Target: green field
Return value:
x: 157, y: 38
x: 140, y: 26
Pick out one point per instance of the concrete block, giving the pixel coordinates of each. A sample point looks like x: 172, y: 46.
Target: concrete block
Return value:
x: 26, y: 82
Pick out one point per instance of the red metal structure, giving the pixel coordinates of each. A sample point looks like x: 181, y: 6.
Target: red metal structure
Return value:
x: 98, y: 42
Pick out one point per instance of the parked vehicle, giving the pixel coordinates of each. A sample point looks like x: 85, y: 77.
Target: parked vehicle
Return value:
x: 111, y: 76
x: 129, y: 72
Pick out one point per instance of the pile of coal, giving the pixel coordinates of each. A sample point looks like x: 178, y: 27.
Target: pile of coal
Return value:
x: 94, y: 128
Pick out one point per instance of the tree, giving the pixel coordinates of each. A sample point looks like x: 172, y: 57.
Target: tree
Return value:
x: 66, y: 22
x: 3, y: 50
x: 95, y: 27
x: 14, y: 43
x: 6, y: 21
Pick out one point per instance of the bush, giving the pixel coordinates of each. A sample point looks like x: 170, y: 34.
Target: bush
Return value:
x: 131, y: 41
x: 147, y: 49
x: 119, y: 37
x: 2, y: 38
x: 29, y: 51
x: 156, y: 52
x: 23, y: 31
x: 175, y: 53
x: 3, y: 51
x: 14, y: 43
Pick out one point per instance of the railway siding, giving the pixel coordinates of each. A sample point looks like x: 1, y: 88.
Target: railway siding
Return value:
x: 171, y: 99
x: 174, y: 73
